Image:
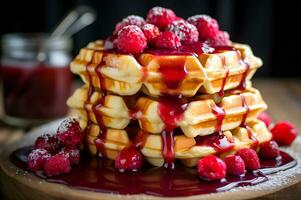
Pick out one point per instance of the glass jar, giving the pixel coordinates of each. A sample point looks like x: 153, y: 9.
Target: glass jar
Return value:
x: 35, y: 78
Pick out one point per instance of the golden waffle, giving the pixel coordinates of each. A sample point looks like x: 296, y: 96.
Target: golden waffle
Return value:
x: 186, y: 149
x: 123, y: 74
x: 198, y: 118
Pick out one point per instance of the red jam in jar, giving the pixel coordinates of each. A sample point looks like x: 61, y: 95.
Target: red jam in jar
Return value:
x: 35, y: 77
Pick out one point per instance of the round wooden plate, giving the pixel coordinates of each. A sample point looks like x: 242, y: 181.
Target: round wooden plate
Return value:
x: 19, y: 184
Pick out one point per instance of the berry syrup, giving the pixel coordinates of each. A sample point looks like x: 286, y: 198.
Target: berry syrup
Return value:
x: 244, y: 124
x: 99, y: 175
x: 171, y: 109
x: 100, y: 140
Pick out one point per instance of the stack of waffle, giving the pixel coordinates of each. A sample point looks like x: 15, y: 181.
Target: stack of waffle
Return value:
x: 170, y: 106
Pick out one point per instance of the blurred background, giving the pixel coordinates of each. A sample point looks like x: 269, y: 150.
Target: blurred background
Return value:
x: 35, y: 70
x: 270, y: 27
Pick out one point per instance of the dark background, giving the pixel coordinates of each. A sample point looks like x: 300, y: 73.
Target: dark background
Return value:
x: 272, y: 28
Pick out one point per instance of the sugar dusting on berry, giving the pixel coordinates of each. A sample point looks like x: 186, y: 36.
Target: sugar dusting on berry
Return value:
x: 37, y: 153
x: 66, y: 124
x: 195, y: 18
x: 158, y: 10
x: 186, y: 31
x: 130, y: 20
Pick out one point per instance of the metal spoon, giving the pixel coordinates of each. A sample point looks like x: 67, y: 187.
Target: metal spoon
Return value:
x: 76, y: 20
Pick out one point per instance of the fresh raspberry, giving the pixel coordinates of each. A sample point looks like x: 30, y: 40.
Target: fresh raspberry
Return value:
x: 235, y: 165
x: 161, y: 17
x: 207, y: 26
x: 211, y: 168
x: 131, y: 39
x: 221, y: 39
x: 269, y: 149
x: 168, y: 40
x: 265, y: 117
x: 72, y: 154
x: 56, y: 165
x: 129, y: 158
x: 151, y: 32
x: 37, y: 158
x: 130, y: 20
x: 48, y: 142
x: 284, y: 133
x: 187, y: 32
x: 250, y: 158
x: 69, y: 133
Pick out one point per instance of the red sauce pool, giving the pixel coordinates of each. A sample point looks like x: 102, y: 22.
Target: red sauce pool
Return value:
x: 99, y: 175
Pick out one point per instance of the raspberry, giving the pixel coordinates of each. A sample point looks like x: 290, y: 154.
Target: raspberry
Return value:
x: 187, y: 32
x: 221, y: 39
x: 269, y: 149
x: 129, y: 158
x: 37, y: 158
x: 207, y: 26
x: 48, y: 142
x: 151, y: 32
x: 211, y: 168
x: 160, y: 17
x: 284, y: 133
x: 265, y: 117
x: 235, y: 165
x: 168, y: 40
x: 72, y: 154
x: 130, y: 20
x: 250, y: 158
x: 69, y: 133
x: 131, y: 39
x: 56, y: 165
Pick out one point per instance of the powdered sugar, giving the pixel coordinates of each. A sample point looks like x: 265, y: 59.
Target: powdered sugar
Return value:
x: 66, y: 124
x: 38, y: 153
x: 194, y: 19
x: 161, y: 17
x: 157, y: 11
x: 130, y: 20
x: 186, y: 31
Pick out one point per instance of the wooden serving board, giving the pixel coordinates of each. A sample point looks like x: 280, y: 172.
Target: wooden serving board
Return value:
x: 18, y: 184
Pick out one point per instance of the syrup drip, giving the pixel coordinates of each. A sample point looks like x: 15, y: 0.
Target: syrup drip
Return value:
x: 219, y: 49
x: 243, y: 83
x: 220, y: 114
x: 100, y: 140
x: 87, y: 101
x: 171, y: 109
x: 130, y: 102
x: 217, y: 140
x: 168, y: 152
x: 99, y: 175
x: 173, y: 72
x: 221, y: 93
x: 244, y: 124
x: 140, y: 139
x: 133, y: 114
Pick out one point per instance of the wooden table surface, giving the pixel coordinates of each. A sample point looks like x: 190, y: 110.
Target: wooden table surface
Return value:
x: 283, y: 97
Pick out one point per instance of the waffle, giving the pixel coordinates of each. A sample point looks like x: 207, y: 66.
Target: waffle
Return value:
x: 124, y: 74
x: 188, y: 150
x: 170, y: 104
x: 198, y: 118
